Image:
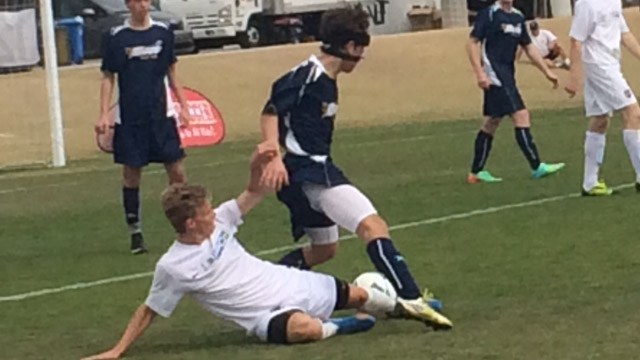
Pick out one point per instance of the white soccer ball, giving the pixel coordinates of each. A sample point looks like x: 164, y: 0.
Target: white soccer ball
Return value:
x: 376, y: 280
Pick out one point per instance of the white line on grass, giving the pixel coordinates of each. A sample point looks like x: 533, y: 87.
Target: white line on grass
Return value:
x: 431, y: 221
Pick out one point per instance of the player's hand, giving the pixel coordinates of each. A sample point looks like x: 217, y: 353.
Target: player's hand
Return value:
x: 571, y: 88
x: 553, y: 78
x: 274, y: 175
x: 102, y: 124
x: 107, y: 355
x: 185, y: 117
x: 483, y: 81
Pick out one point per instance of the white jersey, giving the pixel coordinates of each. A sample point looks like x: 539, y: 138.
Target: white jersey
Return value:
x: 543, y: 41
x: 599, y: 24
x: 233, y: 284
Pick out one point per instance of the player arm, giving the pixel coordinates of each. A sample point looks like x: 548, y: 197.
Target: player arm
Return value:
x: 631, y: 43
x: 536, y: 58
x: 175, y: 85
x: 274, y: 174
x: 106, y: 91
x: 475, y: 56
x: 140, y: 320
x: 575, y: 56
x: 255, y: 191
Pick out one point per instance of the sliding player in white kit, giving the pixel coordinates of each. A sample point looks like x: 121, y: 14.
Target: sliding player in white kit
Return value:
x: 278, y: 304
x: 597, y: 31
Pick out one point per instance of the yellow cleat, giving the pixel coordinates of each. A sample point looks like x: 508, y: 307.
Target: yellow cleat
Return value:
x: 418, y: 309
x: 601, y: 189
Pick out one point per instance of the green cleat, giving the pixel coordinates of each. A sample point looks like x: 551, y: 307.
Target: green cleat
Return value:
x: 546, y: 169
x: 601, y: 189
x: 482, y: 176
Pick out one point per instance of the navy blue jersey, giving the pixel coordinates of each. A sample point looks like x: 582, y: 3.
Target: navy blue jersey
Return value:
x: 306, y: 102
x: 500, y: 33
x: 141, y: 58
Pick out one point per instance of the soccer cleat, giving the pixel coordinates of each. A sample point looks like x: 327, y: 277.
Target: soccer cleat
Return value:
x: 420, y: 310
x: 482, y: 176
x: 137, y: 244
x: 601, y: 189
x: 353, y: 324
x: 434, y: 303
x: 546, y: 169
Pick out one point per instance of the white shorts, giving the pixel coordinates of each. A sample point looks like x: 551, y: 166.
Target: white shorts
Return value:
x: 316, y: 296
x: 605, y: 90
x: 343, y: 204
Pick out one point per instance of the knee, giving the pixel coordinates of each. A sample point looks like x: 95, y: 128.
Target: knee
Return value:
x: 303, y: 328
x: 322, y: 253
x: 490, y: 126
x: 131, y: 177
x: 372, y: 227
x: 522, y: 119
x: 599, y: 124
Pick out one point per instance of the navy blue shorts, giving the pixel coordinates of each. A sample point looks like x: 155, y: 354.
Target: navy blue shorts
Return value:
x: 500, y: 101
x: 136, y: 145
x: 301, y: 169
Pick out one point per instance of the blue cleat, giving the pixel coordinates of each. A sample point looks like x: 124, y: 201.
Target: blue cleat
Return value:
x: 353, y: 324
x: 546, y: 169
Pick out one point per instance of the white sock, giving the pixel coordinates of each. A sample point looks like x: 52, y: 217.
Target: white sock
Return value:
x: 632, y: 142
x: 328, y: 329
x: 593, y: 156
x: 377, y: 302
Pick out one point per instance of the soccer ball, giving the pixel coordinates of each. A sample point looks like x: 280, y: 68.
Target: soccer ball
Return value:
x: 376, y: 280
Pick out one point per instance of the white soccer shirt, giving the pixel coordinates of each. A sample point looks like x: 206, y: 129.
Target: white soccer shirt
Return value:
x: 599, y: 24
x: 225, y: 279
x: 543, y: 41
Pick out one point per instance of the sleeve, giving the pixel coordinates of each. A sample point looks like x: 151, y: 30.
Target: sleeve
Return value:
x: 165, y: 293
x: 109, y: 60
x: 525, y: 38
x: 583, y: 22
x: 550, y: 36
x: 281, y: 101
x: 228, y: 213
x: 481, y: 24
x: 171, y: 47
x: 624, y: 28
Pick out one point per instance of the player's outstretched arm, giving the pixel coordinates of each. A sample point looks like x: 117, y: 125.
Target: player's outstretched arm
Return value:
x: 106, y: 90
x: 575, y: 55
x: 254, y: 192
x: 274, y: 174
x: 140, y: 320
x: 175, y: 85
x: 631, y: 43
x: 475, y: 58
x: 536, y: 58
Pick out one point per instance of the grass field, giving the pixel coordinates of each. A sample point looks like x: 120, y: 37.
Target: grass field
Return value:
x: 526, y: 268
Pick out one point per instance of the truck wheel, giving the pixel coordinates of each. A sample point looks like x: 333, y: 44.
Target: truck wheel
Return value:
x: 253, y: 37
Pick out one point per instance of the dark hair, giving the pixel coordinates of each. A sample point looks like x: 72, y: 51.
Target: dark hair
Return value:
x: 339, y: 26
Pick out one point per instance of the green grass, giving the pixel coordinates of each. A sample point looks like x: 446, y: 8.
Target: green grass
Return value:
x: 552, y: 281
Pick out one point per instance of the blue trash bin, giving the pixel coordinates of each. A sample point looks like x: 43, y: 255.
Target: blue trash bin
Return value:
x: 75, y: 26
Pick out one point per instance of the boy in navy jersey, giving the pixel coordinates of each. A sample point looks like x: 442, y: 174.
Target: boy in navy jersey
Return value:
x: 300, y: 115
x: 495, y: 37
x: 141, y: 53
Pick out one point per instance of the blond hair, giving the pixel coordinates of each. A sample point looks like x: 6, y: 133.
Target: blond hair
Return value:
x: 180, y: 203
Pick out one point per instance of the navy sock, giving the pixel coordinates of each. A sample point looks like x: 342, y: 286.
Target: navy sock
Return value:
x: 295, y: 259
x: 528, y: 147
x: 482, y: 148
x: 131, y: 201
x: 390, y: 262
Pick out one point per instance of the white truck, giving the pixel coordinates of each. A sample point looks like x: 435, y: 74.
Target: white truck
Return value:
x: 253, y: 23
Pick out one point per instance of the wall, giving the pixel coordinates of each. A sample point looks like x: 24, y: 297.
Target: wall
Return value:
x: 421, y: 76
